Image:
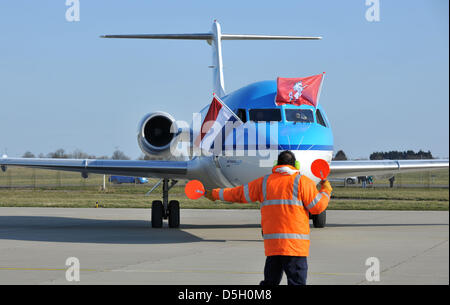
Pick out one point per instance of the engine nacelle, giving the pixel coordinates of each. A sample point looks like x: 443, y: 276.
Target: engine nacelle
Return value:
x: 157, y: 132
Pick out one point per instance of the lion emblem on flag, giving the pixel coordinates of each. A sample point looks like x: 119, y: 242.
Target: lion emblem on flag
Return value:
x: 296, y: 91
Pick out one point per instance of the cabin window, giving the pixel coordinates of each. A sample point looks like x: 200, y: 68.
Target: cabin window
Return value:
x: 300, y: 115
x: 320, y: 119
x: 242, y: 115
x: 265, y: 115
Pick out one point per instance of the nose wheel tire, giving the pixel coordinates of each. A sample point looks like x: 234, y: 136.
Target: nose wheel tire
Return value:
x: 320, y: 220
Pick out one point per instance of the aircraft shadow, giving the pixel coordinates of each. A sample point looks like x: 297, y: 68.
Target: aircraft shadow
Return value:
x: 81, y: 230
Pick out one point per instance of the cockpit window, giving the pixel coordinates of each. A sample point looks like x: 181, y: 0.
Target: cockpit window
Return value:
x: 300, y: 115
x: 320, y: 119
x: 242, y: 115
x: 265, y: 115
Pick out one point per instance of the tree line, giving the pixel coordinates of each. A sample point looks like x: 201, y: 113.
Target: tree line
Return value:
x: 120, y: 155
x: 391, y: 155
x: 76, y: 154
x: 401, y: 155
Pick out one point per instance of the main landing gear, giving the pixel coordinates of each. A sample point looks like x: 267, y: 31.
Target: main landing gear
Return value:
x: 166, y: 209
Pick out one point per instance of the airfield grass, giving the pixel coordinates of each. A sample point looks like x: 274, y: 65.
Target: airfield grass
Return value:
x: 22, y: 187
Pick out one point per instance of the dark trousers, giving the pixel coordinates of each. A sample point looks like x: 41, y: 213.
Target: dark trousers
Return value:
x: 295, y: 267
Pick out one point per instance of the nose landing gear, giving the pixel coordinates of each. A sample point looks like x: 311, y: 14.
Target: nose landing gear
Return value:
x: 319, y: 221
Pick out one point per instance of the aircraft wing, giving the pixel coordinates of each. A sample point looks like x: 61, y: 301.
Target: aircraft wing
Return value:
x: 135, y: 168
x: 342, y: 169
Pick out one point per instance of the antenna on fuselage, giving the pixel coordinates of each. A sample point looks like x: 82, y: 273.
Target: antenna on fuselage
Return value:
x: 214, y: 38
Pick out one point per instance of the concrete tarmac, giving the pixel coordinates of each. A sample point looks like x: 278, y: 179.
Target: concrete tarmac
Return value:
x: 118, y: 246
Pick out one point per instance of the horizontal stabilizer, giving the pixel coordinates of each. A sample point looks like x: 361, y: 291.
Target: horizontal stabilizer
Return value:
x: 199, y: 36
x: 209, y: 36
x: 266, y: 37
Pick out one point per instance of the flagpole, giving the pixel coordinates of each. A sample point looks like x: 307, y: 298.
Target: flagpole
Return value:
x: 320, y: 89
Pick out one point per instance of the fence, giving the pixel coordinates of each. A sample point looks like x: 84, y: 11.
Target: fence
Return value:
x: 427, y: 179
x: 16, y: 177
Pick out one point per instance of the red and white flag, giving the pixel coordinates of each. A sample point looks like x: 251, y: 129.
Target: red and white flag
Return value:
x: 299, y: 91
x: 213, y: 125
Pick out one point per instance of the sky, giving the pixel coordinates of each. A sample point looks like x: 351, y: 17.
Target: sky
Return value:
x: 61, y: 86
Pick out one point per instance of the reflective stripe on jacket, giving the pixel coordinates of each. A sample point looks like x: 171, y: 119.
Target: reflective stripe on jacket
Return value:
x: 286, y: 199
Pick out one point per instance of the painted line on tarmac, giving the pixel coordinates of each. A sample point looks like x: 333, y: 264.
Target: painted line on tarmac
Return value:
x: 184, y: 271
x: 164, y: 271
x: 126, y: 270
x: 39, y: 269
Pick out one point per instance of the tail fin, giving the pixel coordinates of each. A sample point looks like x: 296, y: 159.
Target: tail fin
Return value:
x: 214, y: 38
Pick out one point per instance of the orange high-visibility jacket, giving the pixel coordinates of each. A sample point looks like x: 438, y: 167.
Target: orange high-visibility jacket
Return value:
x: 286, y: 199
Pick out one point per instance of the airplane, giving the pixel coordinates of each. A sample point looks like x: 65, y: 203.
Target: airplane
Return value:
x: 158, y: 134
